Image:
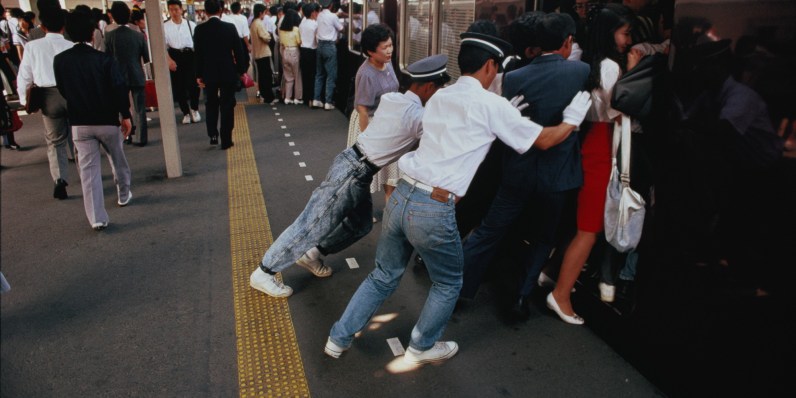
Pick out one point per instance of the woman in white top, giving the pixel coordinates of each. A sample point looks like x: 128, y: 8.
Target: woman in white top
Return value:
x: 609, y: 38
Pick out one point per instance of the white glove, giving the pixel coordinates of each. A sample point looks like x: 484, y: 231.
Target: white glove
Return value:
x: 517, y: 102
x: 576, y: 110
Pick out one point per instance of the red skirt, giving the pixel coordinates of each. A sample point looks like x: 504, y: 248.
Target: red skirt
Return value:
x: 596, y: 152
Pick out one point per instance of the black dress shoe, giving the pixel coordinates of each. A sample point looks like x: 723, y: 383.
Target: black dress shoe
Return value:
x: 213, y: 140
x: 60, y: 190
x: 141, y: 144
x: 520, y: 310
x: 128, y: 140
x: 225, y: 146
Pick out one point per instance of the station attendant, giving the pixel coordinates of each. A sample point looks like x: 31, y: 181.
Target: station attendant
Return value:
x: 460, y: 124
x: 339, y: 211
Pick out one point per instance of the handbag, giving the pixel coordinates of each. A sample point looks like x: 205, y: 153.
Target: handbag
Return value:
x: 624, y: 207
x: 34, y: 98
x: 246, y: 80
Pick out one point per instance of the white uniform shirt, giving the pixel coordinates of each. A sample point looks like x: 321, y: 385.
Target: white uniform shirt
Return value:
x: 395, y: 129
x: 601, y: 110
x: 307, y: 29
x: 459, y: 124
x: 240, y: 22
x: 37, y: 64
x: 270, y: 25
x: 328, y: 26
x: 179, y: 36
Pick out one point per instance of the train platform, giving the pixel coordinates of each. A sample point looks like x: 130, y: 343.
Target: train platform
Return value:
x: 159, y: 304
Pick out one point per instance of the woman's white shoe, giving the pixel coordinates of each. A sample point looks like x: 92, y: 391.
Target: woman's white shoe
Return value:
x: 573, y: 319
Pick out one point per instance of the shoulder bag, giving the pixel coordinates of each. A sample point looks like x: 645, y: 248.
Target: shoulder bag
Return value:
x: 624, y: 207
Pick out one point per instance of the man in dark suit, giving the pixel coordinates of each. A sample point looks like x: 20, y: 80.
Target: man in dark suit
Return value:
x: 540, y: 181
x: 130, y: 50
x: 219, y: 64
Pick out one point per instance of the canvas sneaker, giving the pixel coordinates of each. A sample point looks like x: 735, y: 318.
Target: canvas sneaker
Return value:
x: 186, y: 119
x: 268, y: 284
x: 441, y: 351
x: 328, y: 106
x: 195, y: 116
x: 317, y: 267
x: 125, y: 202
x: 99, y: 226
x: 333, y: 350
x: 316, y: 104
x: 607, y: 292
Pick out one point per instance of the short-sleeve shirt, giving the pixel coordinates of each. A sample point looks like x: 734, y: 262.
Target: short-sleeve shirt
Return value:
x: 290, y: 39
x: 395, y: 130
x: 459, y: 125
x: 372, y: 83
x: 328, y: 26
x: 179, y: 36
x: 240, y: 22
x: 601, y: 110
x: 308, y: 28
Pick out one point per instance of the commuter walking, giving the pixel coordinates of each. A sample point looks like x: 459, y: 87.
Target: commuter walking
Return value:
x: 93, y: 85
x: 179, y: 33
x: 339, y: 211
x: 460, y: 123
x: 37, y: 68
x: 129, y: 48
x: 326, y: 65
x: 261, y: 51
x: 219, y: 65
x: 289, y: 42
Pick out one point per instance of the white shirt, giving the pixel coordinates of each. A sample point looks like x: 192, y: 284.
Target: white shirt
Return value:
x: 459, y: 124
x: 270, y: 24
x: 328, y: 26
x: 395, y: 129
x: 372, y: 18
x: 601, y: 110
x: 37, y: 64
x: 240, y: 23
x: 178, y: 36
x: 307, y: 30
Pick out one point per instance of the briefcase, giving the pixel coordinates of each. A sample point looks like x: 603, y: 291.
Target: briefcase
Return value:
x: 151, y: 95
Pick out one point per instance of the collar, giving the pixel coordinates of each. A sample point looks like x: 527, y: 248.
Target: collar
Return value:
x: 214, y: 16
x: 469, y: 81
x: 549, y: 57
x: 54, y: 35
x: 411, y: 96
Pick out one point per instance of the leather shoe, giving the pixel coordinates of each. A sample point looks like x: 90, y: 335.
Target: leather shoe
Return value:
x: 520, y: 309
x: 225, y: 147
x: 573, y: 319
x: 213, y: 140
x: 60, y: 190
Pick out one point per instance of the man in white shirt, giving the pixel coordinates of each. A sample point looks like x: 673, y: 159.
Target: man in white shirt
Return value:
x: 178, y: 33
x: 37, y: 68
x: 309, y: 43
x: 242, y: 26
x: 339, y: 211
x: 459, y: 124
x: 326, y: 70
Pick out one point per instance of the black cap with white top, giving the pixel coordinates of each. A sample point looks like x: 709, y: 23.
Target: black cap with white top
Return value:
x: 429, y: 69
x: 491, y: 44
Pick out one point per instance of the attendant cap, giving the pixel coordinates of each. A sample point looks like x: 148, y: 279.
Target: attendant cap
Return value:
x: 325, y: 3
x: 429, y: 69
x: 491, y: 44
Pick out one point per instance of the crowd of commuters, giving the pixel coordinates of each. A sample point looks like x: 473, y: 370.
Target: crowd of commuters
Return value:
x: 493, y: 155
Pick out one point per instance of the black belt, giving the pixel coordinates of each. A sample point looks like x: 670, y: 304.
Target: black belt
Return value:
x: 364, y: 158
x: 182, y: 50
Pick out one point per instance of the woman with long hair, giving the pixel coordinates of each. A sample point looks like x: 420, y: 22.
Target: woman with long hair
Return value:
x: 261, y: 52
x: 607, y: 54
x: 289, y: 43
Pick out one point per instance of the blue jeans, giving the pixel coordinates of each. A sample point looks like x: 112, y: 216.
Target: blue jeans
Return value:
x: 338, y: 214
x: 411, y: 219
x: 326, y: 71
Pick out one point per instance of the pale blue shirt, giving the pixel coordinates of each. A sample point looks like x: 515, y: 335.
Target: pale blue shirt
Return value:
x: 394, y: 130
x: 459, y: 124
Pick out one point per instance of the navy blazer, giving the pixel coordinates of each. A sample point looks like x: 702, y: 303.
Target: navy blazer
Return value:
x: 219, y: 53
x: 130, y: 50
x: 548, y: 83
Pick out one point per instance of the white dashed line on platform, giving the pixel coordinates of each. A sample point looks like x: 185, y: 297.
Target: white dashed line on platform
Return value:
x: 287, y: 134
x: 296, y: 154
x: 308, y: 178
x: 284, y: 127
x: 302, y: 164
x: 352, y: 263
x: 277, y: 113
x: 274, y: 108
x: 396, y: 346
x: 291, y: 143
x: 280, y: 120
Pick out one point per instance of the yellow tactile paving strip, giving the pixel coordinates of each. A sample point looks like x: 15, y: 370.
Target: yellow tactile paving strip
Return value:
x: 269, y: 362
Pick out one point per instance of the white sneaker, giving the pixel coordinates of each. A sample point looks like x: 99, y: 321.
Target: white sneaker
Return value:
x: 316, y: 104
x: 545, y: 281
x: 328, y: 107
x: 99, y: 226
x: 123, y: 203
x: 288, y: 101
x: 317, y: 267
x: 607, y: 292
x: 333, y: 350
x: 441, y: 351
x: 298, y: 102
x: 274, y: 102
x: 268, y: 284
x: 195, y: 116
x: 186, y: 119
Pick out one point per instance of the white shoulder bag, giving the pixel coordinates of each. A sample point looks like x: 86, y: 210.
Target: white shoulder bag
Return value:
x: 624, y: 207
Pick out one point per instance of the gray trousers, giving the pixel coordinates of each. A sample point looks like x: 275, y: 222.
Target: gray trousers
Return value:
x: 56, y: 132
x: 88, y: 140
x: 139, y: 101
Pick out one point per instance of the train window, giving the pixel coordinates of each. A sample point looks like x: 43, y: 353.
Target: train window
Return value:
x: 414, y: 31
x: 362, y: 14
x: 455, y: 17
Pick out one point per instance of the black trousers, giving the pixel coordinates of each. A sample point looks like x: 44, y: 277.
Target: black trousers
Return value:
x: 183, y: 81
x: 265, y: 78
x: 307, y: 60
x: 223, y: 104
